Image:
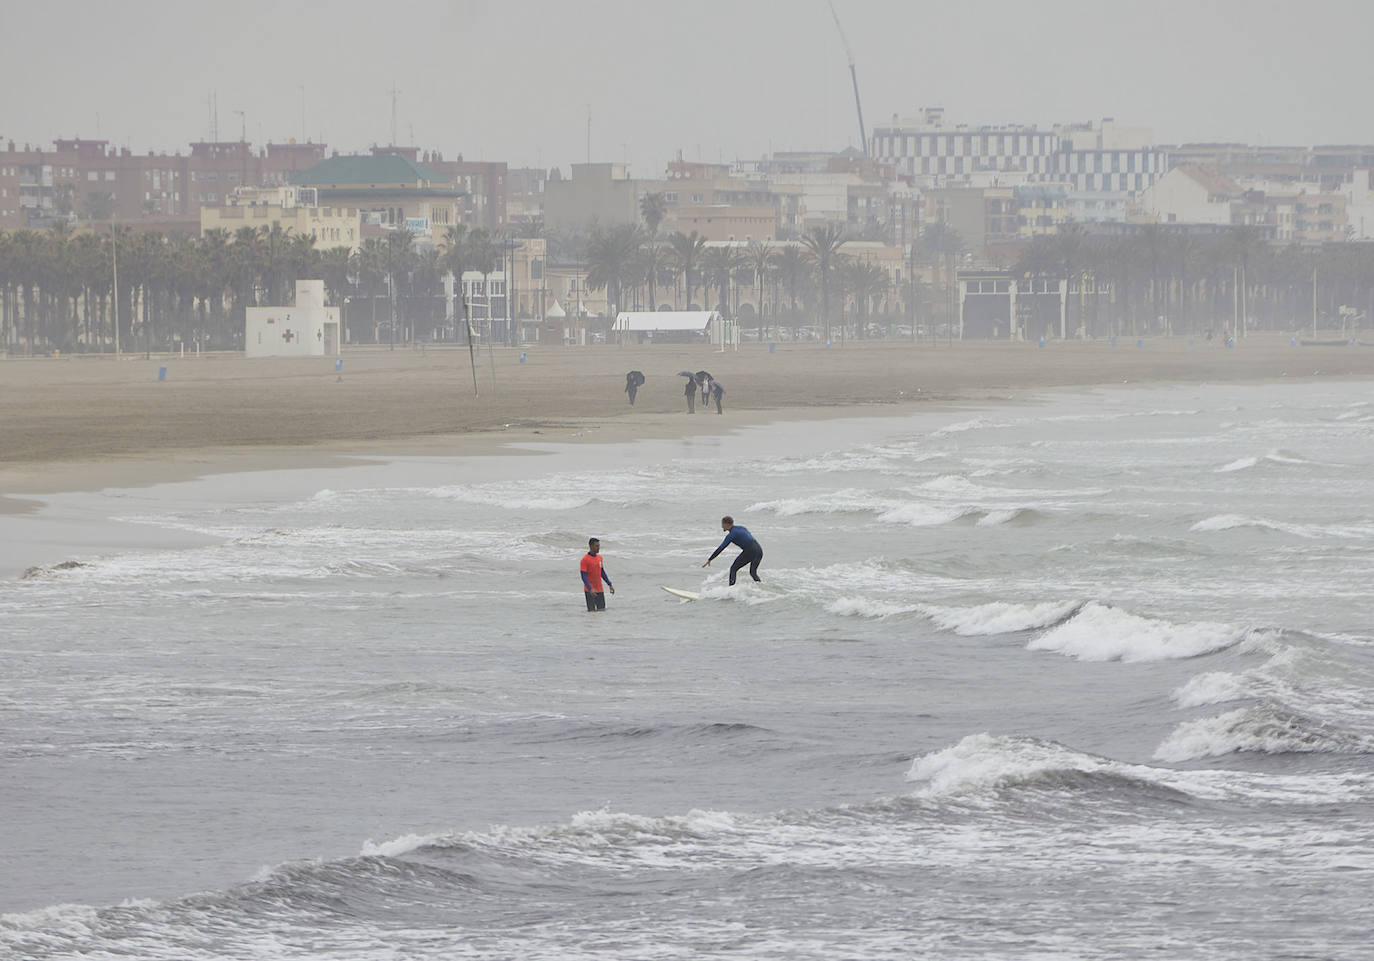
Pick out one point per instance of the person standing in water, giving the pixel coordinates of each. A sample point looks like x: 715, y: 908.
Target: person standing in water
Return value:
x: 592, y: 575
x: 749, y: 550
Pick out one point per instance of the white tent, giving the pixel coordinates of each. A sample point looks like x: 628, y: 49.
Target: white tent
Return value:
x: 642, y: 325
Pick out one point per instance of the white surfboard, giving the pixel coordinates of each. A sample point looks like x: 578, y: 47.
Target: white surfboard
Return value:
x: 685, y: 595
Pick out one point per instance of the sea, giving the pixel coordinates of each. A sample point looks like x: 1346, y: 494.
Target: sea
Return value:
x: 1073, y: 675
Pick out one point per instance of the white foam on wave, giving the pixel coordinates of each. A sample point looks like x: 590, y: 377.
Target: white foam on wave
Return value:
x: 1259, y: 730
x: 924, y: 515
x: 999, y: 617
x: 1099, y: 632
x: 1243, y: 463
x: 881, y: 459
x: 997, y: 518
x: 977, y: 423
x: 1214, y: 687
x: 981, y: 764
x: 850, y: 500
x: 868, y: 607
x: 1226, y: 522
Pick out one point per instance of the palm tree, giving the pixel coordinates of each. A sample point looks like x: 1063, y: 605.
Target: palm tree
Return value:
x: 718, y: 265
x: 866, y: 282
x: 482, y: 253
x: 1242, y: 245
x: 648, y: 267
x: 943, y: 244
x: 653, y: 208
x: 823, y: 243
x: 759, y: 257
x: 399, y: 251
x: 688, y: 251
x: 611, y: 260
x: 790, y: 269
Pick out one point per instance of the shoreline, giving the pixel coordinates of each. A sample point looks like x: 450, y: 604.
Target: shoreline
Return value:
x: 90, y: 423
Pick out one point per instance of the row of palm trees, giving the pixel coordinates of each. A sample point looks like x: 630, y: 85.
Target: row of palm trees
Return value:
x: 151, y: 291
x: 1167, y: 280
x: 634, y: 265
x: 57, y: 288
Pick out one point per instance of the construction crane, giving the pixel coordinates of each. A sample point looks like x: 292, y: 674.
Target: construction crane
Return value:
x: 863, y: 135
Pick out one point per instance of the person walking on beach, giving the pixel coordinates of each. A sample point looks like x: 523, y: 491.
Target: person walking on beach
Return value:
x: 716, y: 391
x: 633, y: 381
x: 592, y: 575
x: 749, y: 550
x: 690, y: 392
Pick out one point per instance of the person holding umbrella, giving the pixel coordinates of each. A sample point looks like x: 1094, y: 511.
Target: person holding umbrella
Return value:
x: 703, y: 378
x: 691, y: 391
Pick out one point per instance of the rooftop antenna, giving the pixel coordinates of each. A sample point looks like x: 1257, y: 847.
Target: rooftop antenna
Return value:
x: 863, y: 135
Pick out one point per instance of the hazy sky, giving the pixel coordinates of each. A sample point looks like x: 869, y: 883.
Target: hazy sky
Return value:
x: 715, y: 79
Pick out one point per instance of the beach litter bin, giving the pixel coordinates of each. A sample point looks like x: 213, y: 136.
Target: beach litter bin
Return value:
x: 162, y: 372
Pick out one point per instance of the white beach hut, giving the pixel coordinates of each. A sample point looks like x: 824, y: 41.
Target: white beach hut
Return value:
x: 309, y: 329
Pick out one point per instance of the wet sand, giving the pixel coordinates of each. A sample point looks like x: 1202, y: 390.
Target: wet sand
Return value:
x: 86, y: 423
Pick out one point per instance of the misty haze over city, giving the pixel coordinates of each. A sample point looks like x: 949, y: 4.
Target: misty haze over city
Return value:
x: 718, y: 81
x: 379, y: 383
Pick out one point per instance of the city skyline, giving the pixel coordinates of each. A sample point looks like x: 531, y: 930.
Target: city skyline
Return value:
x: 715, y: 81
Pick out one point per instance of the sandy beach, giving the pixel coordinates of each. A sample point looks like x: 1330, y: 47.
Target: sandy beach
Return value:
x: 86, y: 423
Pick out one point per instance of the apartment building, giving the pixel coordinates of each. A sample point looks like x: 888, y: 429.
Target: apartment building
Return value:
x: 484, y: 184
x: 293, y: 209
x: 389, y: 191
x: 89, y: 180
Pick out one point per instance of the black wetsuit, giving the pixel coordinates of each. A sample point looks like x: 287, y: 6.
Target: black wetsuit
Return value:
x: 749, y: 551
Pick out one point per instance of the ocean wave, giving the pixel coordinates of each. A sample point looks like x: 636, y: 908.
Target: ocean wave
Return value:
x: 1226, y: 522
x: 868, y: 607
x: 925, y: 515
x: 1000, y: 617
x: 880, y: 459
x: 1261, y: 729
x: 977, y: 423
x: 1100, y: 632
x: 1276, y: 456
x: 982, y: 767
x: 847, y: 500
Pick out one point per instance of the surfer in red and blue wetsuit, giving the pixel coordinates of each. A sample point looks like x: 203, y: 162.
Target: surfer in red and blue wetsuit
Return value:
x: 592, y: 576
x: 749, y: 550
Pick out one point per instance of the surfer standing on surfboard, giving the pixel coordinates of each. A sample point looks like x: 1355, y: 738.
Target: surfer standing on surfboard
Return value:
x: 749, y: 550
